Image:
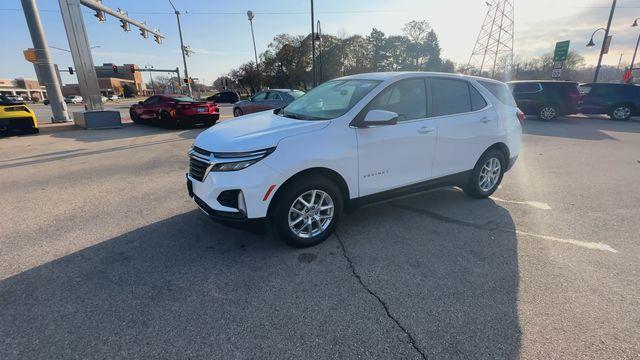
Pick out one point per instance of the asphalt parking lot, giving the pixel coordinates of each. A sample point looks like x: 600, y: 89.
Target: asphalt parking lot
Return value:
x: 103, y: 255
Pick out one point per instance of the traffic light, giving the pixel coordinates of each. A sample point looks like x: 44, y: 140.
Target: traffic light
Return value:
x: 157, y: 38
x: 100, y: 15
x: 70, y: 70
x: 115, y: 68
x: 143, y: 32
x: 124, y: 25
x: 187, y: 50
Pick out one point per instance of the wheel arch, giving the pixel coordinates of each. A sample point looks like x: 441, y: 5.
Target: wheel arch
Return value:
x: 502, y: 147
x: 319, y: 171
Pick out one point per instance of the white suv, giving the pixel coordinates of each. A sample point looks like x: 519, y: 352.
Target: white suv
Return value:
x: 351, y: 141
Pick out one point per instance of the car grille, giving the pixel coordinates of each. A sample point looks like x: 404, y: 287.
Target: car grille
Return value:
x: 197, y: 168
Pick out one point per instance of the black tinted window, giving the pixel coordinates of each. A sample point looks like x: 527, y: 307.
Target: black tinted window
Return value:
x: 477, y: 101
x: 407, y: 98
x: 450, y: 96
x: 526, y: 88
x: 273, y: 96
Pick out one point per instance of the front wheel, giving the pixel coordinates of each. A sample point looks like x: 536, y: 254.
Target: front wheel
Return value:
x: 237, y: 112
x: 307, y: 211
x: 486, y: 175
x: 134, y: 117
x: 621, y: 113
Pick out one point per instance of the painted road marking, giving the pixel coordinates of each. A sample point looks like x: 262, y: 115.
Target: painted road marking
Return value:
x: 534, y: 204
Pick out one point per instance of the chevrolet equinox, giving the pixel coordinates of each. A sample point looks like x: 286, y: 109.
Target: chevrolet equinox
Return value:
x: 351, y: 141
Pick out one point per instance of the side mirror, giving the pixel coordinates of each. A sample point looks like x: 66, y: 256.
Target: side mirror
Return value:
x: 140, y: 102
x: 380, y: 118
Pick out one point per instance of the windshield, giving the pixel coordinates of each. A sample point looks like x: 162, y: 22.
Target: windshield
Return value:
x: 329, y: 100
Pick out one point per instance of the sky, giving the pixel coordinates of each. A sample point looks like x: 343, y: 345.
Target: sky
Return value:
x: 218, y: 31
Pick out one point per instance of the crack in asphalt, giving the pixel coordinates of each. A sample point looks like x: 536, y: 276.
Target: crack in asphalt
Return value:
x: 412, y: 341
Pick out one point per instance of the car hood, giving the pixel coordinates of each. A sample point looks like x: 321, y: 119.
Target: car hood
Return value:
x: 254, y: 132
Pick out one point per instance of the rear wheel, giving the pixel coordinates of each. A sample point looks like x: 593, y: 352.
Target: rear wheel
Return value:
x: 237, y: 112
x: 486, y: 175
x: 307, y: 211
x: 548, y: 113
x: 167, y: 121
x: 621, y: 112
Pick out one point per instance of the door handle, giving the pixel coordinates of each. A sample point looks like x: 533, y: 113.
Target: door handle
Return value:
x: 426, y: 130
x: 485, y: 120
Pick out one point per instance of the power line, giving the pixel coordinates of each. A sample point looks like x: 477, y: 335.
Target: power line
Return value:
x: 187, y: 12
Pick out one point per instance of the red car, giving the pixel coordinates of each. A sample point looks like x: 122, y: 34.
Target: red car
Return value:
x: 175, y: 111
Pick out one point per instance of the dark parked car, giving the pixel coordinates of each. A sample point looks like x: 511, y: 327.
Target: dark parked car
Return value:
x: 227, y: 97
x: 266, y: 100
x: 174, y: 111
x: 619, y: 101
x: 546, y: 99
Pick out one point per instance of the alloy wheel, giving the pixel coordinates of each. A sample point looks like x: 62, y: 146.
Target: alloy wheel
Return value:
x: 622, y: 112
x: 489, y: 174
x: 548, y: 113
x: 311, y: 213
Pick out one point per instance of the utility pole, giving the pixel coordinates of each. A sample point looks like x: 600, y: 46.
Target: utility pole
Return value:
x: 45, y: 66
x: 184, y: 56
x: 604, y: 42
x: 313, y: 47
x: 319, y: 38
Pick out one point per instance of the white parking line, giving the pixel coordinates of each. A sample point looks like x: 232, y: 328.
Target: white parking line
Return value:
x: 535, y: 204
x: 584, y: 244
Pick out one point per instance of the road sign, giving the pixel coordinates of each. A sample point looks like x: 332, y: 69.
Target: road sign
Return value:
x: 562, y: 51
x: 558, y: 64
x: 30, y: 55
x: 607, y: 44
x: 556, y: 73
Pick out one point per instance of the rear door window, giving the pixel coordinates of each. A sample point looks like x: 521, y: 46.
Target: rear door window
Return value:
x: 450, y: 96
x: 260, y: 96
x: 273, y: 96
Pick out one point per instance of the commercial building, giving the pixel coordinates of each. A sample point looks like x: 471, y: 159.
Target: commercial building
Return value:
x: 112, y: 79
x: 23, y: 87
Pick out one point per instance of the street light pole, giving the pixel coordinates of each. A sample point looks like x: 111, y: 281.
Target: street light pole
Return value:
x: 633, y: 60
x: 251, y: 15
x: 184, y: 57
x: 319, y: 38
x: 44, y: 64
x: 313, y: 48
x: 604, y: 42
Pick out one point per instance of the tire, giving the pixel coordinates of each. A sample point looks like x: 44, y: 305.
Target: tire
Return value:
x: 326, y: 193
x: 621, y: 112
x: 134, y: 117
x: 167, y: 121
x: 474, y: 186
x: 548, y: 112
x: 237, y: 112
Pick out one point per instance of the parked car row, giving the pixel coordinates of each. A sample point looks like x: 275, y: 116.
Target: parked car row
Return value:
x: 550, y: 99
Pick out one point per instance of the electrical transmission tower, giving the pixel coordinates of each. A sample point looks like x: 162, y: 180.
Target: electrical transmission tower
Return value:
x: 493, y: 52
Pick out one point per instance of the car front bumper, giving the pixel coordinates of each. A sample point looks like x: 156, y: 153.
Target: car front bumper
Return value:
x: 257, y: 183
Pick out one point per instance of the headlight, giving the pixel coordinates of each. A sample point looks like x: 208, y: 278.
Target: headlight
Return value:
x: 238, y: 161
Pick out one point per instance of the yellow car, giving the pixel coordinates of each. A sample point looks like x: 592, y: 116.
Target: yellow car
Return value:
x: 15, y: 116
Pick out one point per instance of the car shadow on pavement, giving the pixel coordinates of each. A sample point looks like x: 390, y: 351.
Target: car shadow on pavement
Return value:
x: 578, y: 127
x: 445, y: 267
